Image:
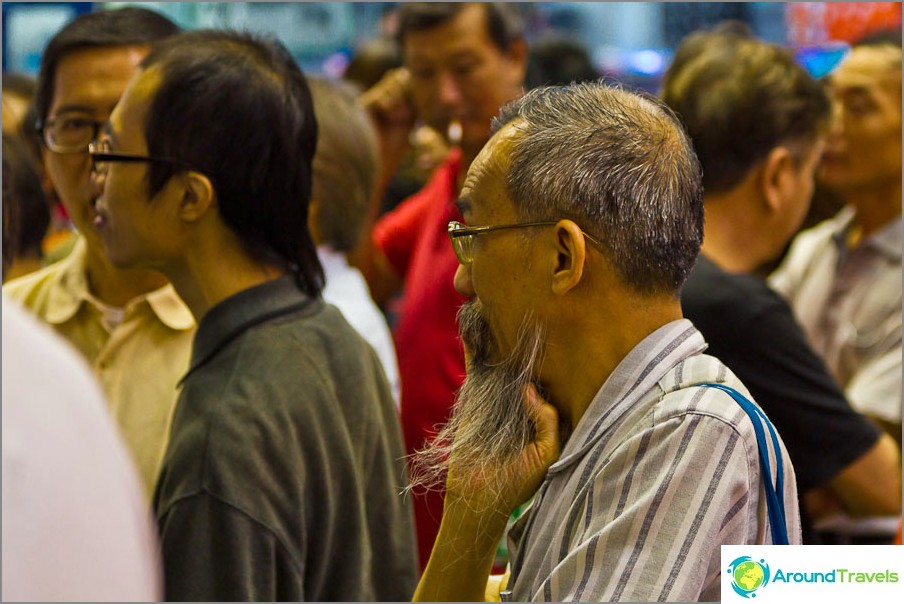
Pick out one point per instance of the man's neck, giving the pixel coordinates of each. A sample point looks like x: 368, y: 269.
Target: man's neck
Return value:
x: 729, y: 238
x: 211, y: 274
x: 576, y: 366
x: 117, y: 287
x: 874, y: 208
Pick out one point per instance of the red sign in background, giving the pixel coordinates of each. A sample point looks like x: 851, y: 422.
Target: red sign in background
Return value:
x: 819, y: 22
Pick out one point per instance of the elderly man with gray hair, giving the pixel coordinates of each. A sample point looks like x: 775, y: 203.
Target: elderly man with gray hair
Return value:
x: 345, y: 175
x: 586, y: 387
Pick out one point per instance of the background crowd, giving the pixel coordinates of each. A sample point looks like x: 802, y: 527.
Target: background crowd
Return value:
x: 286, y: 328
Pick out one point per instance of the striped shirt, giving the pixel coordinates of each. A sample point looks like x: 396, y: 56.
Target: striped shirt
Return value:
x: 657, y: 475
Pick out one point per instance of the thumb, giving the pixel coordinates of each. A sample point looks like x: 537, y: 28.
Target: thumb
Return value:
x: 546, y: 424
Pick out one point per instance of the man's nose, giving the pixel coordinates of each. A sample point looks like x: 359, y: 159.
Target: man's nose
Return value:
x: 449, y: 90
x: 462, y: 281
x: 836, y: 121
x: 98, y: 181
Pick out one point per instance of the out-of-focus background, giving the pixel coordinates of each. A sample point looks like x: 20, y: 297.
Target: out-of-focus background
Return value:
x: 629, y: 41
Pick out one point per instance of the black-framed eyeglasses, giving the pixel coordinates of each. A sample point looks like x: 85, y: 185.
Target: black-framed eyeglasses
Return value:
x: 463, y: 236
x: 69, y: 133
x: 102, y: 156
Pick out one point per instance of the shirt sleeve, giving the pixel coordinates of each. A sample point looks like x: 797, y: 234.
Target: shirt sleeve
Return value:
x: 876, y: 387
x: 397, y: 232
x: 214, y: 552
x: 651, y: 525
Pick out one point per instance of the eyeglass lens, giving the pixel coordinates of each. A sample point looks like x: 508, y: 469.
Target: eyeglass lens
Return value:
x: 70, y: 134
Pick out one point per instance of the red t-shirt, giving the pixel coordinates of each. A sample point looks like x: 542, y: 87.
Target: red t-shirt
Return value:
x: 415, y: 240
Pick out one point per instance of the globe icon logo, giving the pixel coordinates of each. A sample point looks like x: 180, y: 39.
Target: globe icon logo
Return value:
x: 748, y: 575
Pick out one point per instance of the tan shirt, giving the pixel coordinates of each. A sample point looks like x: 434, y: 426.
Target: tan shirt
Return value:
x: 138, y: 362
x: 848, y: 300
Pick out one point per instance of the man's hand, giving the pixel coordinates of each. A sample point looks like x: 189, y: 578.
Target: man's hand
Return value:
x: 391, y: 108
x: 513, y: 483
x: 477, y: 508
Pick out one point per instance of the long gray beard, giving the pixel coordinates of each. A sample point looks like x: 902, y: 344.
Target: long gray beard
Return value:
x: 488, y: 424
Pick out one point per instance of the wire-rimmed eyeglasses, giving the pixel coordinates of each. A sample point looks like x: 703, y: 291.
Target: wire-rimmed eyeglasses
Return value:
x: 463, y: 236
x: 69, y: 133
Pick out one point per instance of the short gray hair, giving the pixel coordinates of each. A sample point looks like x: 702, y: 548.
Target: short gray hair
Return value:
x: 346, y: 163
x: 621, y: 166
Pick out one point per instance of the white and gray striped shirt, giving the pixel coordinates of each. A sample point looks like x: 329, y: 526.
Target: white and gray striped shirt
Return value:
x: 657, y: 475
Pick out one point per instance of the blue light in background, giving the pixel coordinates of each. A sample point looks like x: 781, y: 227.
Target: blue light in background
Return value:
x: 819, y: 61
x: 646, y: 62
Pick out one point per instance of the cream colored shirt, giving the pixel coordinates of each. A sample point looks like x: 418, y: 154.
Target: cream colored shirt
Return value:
x: 848, y: 300
x: 138, y: 362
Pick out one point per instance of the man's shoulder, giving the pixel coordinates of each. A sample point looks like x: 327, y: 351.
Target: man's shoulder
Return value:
x: 711, y: 291
x: 684, y: 393
x: 33, y: 289
x: 300, y: 351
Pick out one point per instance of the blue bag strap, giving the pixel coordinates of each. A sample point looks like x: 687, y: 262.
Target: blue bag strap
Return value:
x: 775, y: 495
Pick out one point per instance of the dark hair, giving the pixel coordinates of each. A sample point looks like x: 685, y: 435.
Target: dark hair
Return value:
x: 504, y: 24
x: 696, y: 42
x: 621, y: 166
x: 882, y: 37
x: 740, y: 98
x: 557, y: 59
x: 372, y: 59
x: 129, y: 26
x: 26, y: 213
x: 345, y: 165
x: 237, y: 108
x: 19, y: 84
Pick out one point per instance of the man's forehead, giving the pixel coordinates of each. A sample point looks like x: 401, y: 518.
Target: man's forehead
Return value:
x: 465, y: 27
x: 487, y: 174
x: 867, y: 66
x: 495, y: 155
x: 136, y: 99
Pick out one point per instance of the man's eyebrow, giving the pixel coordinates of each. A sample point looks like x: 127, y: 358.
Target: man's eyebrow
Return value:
x: 107, y: 130
x: 463, y: 204
x: 74, y: 109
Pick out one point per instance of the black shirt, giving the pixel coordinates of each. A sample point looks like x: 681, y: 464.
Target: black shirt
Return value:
x: 283, y: 476
x: 753, y: 331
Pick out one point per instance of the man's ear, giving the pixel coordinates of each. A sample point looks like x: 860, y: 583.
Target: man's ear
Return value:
x: 198, y: 196
x: 571, y: 253
x: 777, y: 177
x: 517, y: 56
x: 313, y: 218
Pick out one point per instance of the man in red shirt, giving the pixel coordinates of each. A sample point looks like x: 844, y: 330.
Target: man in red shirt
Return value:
x: 462, y: 62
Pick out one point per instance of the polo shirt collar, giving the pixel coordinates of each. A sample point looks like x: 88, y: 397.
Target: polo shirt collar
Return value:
x: 887, y: 240
x: 65, y: 301
x: 633, y: 379
x: 242, y: 311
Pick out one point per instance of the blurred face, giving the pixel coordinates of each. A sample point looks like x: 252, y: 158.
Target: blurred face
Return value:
x: 14, y: 108
x: 137, y: 230
x: 864, y: 147
x: 459, y: 74
x: 799, y: 194
x: 87, y: 85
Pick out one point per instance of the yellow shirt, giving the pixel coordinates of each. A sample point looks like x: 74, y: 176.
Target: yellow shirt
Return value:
x: 138, y: 362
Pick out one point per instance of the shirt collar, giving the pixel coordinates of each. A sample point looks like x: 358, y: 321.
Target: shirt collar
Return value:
x: 242, y: 311
x: 887, y: 240
x: 65, y: 300
x: 632, y: 379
